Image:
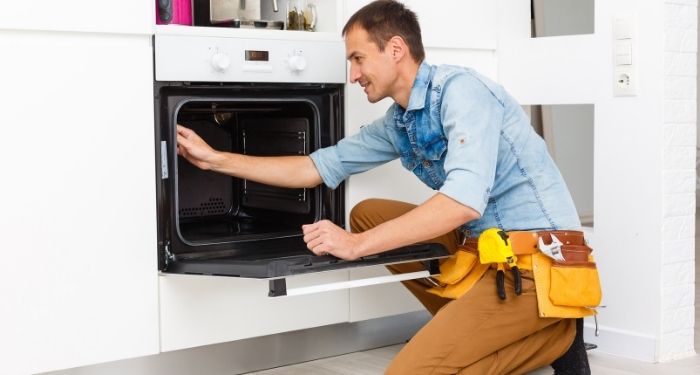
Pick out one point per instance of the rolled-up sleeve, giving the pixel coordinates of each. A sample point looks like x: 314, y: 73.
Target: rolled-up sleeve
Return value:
x: 471, y: 117
x: 367, y: 149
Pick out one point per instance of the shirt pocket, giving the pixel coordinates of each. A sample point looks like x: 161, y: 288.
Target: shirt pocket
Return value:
x: 436, y: 149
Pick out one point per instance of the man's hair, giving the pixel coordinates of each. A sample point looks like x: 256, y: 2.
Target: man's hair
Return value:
x: 384, y: 19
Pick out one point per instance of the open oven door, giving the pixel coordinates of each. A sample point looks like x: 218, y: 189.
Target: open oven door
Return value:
x: 276, y: 267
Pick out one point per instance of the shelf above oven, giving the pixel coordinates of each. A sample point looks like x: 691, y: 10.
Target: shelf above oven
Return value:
x: 223, y: 32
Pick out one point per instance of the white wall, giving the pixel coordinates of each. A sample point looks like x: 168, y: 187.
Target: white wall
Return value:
x: 679, y: 128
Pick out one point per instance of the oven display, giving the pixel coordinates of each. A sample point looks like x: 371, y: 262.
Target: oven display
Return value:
x: 257, y: 55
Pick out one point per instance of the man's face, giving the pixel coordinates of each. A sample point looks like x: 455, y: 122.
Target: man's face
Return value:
x: 373, y: 69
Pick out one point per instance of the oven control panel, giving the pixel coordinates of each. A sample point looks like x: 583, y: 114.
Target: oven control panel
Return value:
x: 233, y: 59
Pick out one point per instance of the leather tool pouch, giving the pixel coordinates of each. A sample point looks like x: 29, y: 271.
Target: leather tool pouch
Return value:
x: 575, y: 282
x: 568, y: 289
x: 456, y: 267
x: 459, y: 273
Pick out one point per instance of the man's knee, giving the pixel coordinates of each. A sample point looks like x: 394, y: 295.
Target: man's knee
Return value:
x: 371, y: 212
x: 361, y: 215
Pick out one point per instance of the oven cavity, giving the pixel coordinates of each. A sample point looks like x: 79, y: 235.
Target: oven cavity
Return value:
x: 214, y: 207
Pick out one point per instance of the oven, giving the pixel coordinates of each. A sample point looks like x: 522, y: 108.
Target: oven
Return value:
x: 255, y: 96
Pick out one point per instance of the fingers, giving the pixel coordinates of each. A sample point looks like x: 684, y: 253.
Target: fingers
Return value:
x: 186, y: 136
x: 182, y: 145
x: 309, y: 231
x: 312, y: 235
x: 183, y: 141
x: 312, y: 245
x: 316, y: 237
x: 324, y: 237
x: 186, y: 132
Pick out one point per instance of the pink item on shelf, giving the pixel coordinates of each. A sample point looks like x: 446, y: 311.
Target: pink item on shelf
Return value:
x: 177, y: 12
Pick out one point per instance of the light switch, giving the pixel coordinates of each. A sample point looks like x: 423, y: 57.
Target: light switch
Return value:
x: 623, y: 52
x: 623, y: 59
x: 622, y: 28
x: 623, y: 47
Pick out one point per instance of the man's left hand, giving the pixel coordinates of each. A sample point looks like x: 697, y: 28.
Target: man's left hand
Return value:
x: 324, y: 237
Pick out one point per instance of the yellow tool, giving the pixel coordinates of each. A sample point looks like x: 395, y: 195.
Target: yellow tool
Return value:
x: 495, y: 247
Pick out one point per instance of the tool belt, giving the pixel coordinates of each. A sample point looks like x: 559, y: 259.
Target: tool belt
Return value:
x: 567, y: 288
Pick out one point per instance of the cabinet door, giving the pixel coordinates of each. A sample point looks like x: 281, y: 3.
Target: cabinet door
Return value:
x: 379, y: 300
x: 78, y: 243
x: 118, y: 16
x: 200, y: 310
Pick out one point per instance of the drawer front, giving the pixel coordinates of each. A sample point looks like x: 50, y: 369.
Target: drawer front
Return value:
x: 379, y: 301
x: 200, y: 310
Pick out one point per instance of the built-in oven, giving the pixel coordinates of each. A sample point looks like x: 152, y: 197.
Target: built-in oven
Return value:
x: 254, y: 96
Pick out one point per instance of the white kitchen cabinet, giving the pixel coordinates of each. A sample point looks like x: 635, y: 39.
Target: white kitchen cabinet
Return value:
x: 201, y: 310
x: 121, y: 16
x: 379, y: 300
x: 77, y: 209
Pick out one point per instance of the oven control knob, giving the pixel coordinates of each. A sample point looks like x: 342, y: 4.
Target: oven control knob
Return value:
x: 220, y: 61
x: 297, y: 63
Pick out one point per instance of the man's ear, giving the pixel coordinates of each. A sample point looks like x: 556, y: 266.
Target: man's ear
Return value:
x: 397, y: 47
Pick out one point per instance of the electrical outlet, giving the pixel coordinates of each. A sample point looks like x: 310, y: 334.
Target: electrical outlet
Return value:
x: 625, y: 81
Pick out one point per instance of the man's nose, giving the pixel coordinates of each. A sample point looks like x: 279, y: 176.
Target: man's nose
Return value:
x: 354, y: 74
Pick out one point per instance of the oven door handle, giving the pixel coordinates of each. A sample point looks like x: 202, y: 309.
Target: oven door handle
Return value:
x: 278, y: 287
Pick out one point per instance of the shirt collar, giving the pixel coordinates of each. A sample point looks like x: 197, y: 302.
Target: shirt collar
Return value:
x: 416, y: 100
x: 420, y: 87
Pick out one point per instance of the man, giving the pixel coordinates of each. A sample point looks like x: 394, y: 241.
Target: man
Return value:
x: 465, y: 137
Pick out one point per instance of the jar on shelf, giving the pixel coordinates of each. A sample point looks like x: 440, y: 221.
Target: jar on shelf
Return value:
x: 301, y: 15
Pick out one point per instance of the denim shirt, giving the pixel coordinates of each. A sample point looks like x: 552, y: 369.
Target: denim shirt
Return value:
x: 464, y: 136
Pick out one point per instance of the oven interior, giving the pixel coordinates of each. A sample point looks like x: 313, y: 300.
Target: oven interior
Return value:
x: 213, y: 207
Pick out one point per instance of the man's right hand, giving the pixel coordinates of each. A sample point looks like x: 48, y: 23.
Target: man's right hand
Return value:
x: 193, y: 148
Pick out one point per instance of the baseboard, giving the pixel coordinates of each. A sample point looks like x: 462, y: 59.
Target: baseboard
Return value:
x: 268, y: 351
x: 621, y: 343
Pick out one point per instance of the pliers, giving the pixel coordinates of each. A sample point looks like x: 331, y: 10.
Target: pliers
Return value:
x: 501, y: 279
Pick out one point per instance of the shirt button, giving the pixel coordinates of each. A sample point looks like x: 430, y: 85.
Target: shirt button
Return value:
x: 426, y: 163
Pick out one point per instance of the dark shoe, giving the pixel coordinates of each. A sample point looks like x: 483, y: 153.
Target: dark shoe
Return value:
x: 575, y: 360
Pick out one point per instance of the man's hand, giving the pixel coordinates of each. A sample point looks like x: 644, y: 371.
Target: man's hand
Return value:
x: 324, y: 237
x: 193, y: 148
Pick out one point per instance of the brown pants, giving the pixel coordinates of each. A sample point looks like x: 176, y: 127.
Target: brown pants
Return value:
x: 477, y: 333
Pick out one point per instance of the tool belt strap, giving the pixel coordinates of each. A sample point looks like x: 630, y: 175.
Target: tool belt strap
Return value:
x: 525, y: 242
